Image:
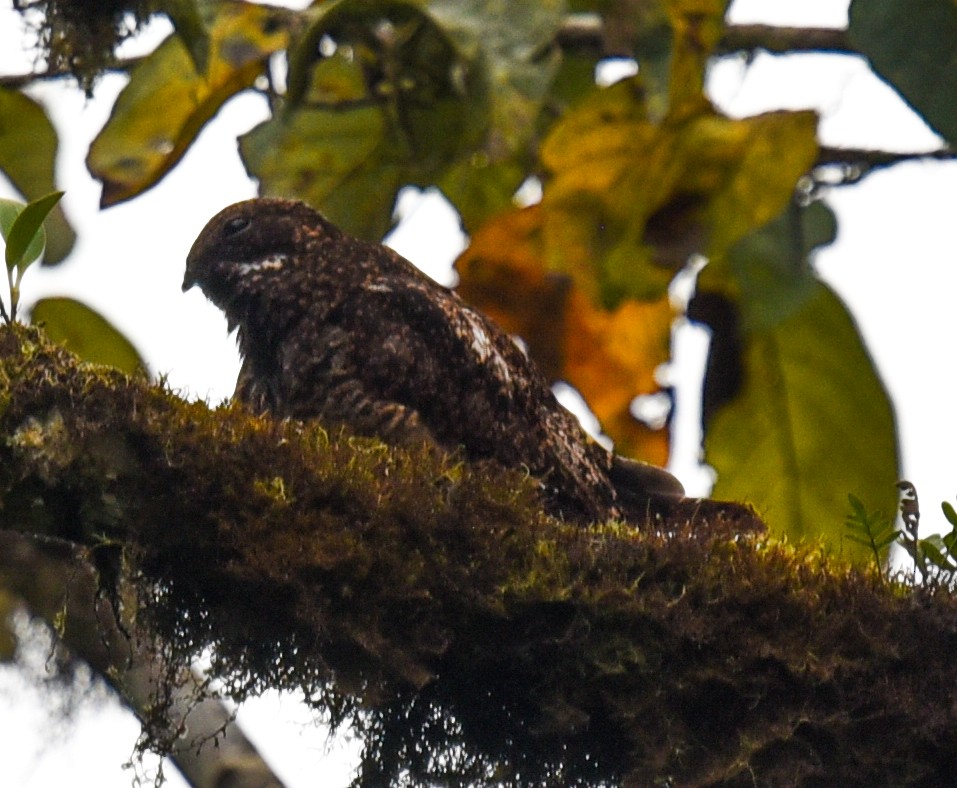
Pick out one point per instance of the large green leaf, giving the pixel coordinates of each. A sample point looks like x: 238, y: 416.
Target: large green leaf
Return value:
x: 913, y: 45
x: 28, y: 146
x: 445, y: 94
x: 166, y: 103
x: 514, y: 43
x: 87, y: 333
x: 340, y: 161
x: 805, y: 419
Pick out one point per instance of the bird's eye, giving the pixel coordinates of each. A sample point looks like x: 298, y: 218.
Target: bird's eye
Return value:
x: 235, y: 225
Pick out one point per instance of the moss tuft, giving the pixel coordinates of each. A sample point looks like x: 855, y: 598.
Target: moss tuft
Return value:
x: 79, y: 37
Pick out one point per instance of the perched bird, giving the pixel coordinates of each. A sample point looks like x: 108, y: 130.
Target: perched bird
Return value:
x: 335, y: 328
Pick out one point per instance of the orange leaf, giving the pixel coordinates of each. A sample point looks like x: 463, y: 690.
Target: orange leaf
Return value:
x: 609, y: 356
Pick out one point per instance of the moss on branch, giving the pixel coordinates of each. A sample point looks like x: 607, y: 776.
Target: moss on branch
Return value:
x: 470, y: 638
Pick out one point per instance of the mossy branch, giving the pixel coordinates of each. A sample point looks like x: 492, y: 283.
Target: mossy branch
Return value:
x: 468, y: 637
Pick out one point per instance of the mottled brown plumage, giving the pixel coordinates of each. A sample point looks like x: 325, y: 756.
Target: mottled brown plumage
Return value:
x: 348, y: 331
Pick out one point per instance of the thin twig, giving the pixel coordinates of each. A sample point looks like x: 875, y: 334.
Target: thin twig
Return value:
x: 20, y: 81
x: 864, y: 157
x: 857, y: 163
x: 784, y: 40
x: 587, y: 32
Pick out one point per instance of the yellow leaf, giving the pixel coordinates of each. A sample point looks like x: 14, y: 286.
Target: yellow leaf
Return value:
x: 697, y: 26
x: 630, y: 200
x: 811, y: 424
x: 159, y: 113
x: 609, y: 355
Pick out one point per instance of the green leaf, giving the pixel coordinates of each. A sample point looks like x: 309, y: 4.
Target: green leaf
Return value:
x: 513, y: 43
x: 913, y: 46
x: 934, y: 550
x: 811, y: 422
x: 28, y: 148
x: 800, y: 415
x: 166, y: 103
x: 860, y: 513
x: 886, y: 538
x: 188, y: 19
x: 385, y: 109
x: 878, y: 531
x: 445, y: 94
x: 87, y: 333
x: 949, y: 512
x: 9, y: 211
x: 26, y: 238
x: 338, y: 162
x: 770, y: 267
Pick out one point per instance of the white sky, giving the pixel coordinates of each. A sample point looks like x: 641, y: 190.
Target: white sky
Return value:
x: 893, y: 263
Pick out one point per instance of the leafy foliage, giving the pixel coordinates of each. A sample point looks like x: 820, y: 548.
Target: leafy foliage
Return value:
x: 86, y: 333
x: 872, y: 530
x: 80, y: 328
x: 641, y: 181
x: 877, y: 28
x: 395, y: 93
x: 167, y: 102
x: 804, y: 417
x: 22, y: 229
x: 934, y: 557
x: 28, y: 149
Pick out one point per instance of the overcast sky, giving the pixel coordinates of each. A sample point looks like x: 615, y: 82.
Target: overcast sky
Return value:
x: 893, y: 263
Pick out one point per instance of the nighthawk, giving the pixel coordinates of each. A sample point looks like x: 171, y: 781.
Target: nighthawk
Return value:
x: 350, y: 332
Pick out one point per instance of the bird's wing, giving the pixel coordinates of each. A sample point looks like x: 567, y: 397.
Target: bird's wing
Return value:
x: 408, y: 342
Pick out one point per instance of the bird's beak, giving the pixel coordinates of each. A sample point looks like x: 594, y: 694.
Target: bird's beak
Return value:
x: 192, y: 276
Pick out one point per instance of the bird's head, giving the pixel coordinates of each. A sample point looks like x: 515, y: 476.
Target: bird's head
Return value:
x: 243, y: 249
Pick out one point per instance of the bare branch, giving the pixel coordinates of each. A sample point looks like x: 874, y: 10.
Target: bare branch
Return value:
x: 20, y: 81
x: 784, y: 40
x: 854, y: 164
x: 587, y: 32
x: 52, y: 576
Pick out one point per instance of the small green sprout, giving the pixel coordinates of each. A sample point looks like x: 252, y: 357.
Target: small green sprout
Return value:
x: 873, y: 530
x: 934, y: 557
x: 22, y: 229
